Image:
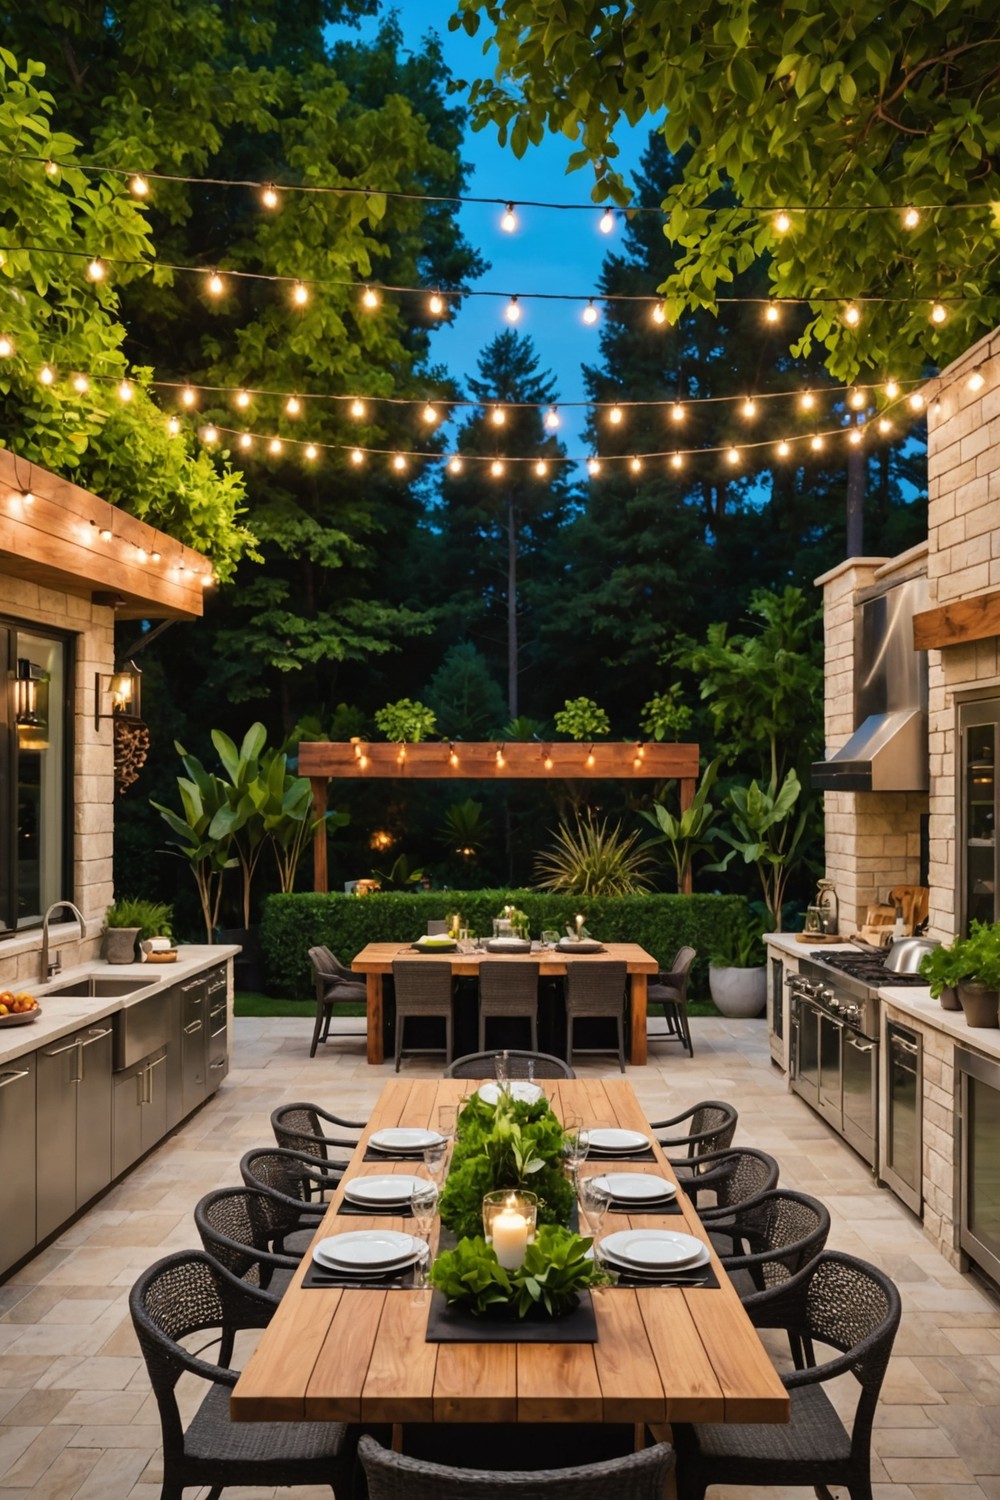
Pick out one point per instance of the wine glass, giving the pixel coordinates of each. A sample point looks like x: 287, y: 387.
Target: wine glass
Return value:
x: 593, y: 1198
x: 436, y: 1159
x: 501, y: 1069
x: 575, y: 1144
x: 423, y: 1206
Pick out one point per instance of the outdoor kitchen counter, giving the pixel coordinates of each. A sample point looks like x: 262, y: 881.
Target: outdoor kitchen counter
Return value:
x: 64, y: 1014
x: 788, y: 942
x: 916, y: 1003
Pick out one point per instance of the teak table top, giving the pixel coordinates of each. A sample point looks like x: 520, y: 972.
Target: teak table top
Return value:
x: 662, y: 1354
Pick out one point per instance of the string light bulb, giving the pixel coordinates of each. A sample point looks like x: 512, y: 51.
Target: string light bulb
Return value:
x: 401, y: 755
x: 498, y: 416
x: 242, y: 399
x: 6, y: 346
x: 547, y: 762
x: 496, y: 468
x: 749, y: 408
x: 27, y: 498
x: 910, y: 218
x: 81, y: 384
x: 939, y: 313
x: 357, y: 457
x: 677, y: 412
x: 210, y: 435
x: 593, y: 467
x: 125, y: 391
x: 96, y: 269
x: 51, y: 168
x: 508, y: 222
x: 189, y: 396
x: 216, y: 285
x: 783, y: 449
x: 733, y: 456
x: 269, y: 195
x: 816, y: 443
x: 589, y: 762
x: 607, y: 222
x: 771, y: 313
x: 782, y: 223
x: 552, y: 418
x: 976, y: 380
x: 659, y: 314
x: 513, y: 310
x: 300, y: 294
x: 173, y: 426
x: 541, y: 468
x: 46, y: 375
x: 676, y: 461
x: 399, y: 463
x: 892, y: 389
x: 293, y: 406
x: 455, y: 464
x: 430, y: 414
x: 154, y: 557
x: 916, y: 402
x: 141, y: 555
x: 635, y: 464
x: 884, y: 425
x: 274, y: 446
x: 435, y: 304
x: 452, y: 755
x: 369, y: 298
x: 808, y: 401
x: 357, y: 408
x: 590, y: 313
x: 852, y: 315
x: 311, y: 452
x: 105, y: 534
x: 501, y: 762
x: 856, y: 400
x: 246, y: 441
x: 855, y: 435
x: 615, y: 415
x: 139, y: 185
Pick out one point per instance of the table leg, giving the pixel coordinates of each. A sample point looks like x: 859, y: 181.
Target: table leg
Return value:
x: 637, y: 1015
x: 375, y: 1049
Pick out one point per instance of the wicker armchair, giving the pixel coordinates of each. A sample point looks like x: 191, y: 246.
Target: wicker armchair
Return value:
x: 738, y: 1178
x: 670, y: 990
x: 299, y: 1185
x: 239, y: 1228
x: 335, y: 985
x: 837, y: 1301
x: 187, y: 1294
x: 772, y: 1239
x: 596, y: 989
x: 483, y: 1065
x: 711, y: 1127
x: 508, y: 991
x: 637, y: 1476
x: 299, y: 1127
x: 423, y: 988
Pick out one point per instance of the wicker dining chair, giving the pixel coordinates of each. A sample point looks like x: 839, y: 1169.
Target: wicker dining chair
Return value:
x: 423, y: 988
x: 483, y: 1065
x: 711, y: 1127
x: 636, y: 1476
x: 837, y: 1301
x: 335, y: 986
x: 596, y: 990
x: 299, y: 1127
x: 508, y: 991
x: 738, y: 1178
x: 771, y: 1239
x: 300, y: 1185
x: 238, y: 1228
x: 186, y: 1294
x: 669, y: 989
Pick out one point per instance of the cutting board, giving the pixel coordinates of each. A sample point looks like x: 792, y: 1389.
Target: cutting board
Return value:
x: 878, y: 925
x: 915, y: 900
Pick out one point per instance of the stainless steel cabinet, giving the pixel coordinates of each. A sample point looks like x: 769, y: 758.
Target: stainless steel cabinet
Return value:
x: 139, y: 1110
x: 73, y: 1136
x: 218, y: 1029
x: 17, y: 1180
x: 194, y: 1042
x: 904, y: 1087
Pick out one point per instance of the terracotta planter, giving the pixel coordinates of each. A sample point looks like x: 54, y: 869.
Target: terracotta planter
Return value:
x: 949, y: 998
x: 738, y: 993
x: 979, y: 1003
x: 119, y: 944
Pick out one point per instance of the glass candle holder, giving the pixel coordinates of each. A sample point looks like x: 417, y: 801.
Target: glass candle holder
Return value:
x: 509, y: 1220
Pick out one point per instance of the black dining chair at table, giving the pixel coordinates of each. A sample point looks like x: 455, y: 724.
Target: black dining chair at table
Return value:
x: 423, y: 992
x: 669, y: 990
x: 728, y: 1181
x: 595, y: 991
x: 335, y: 985
x: 483, y: 1065
x: 711, y: 1125
x: 299, y: 1127
x: 771, y: 1239
x: 508, y: 992
x: 239, y: 1228
x: 301, y: 1185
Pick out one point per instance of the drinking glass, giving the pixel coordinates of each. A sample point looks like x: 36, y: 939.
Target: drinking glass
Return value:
x: 529, y: 1069
x: 574, y: 1144
x: 436, y: 1159
x: 423, y: 1205
x: 448, y: 1120
x: 593, y: 1200
x: 550, y: 937
x: 501, y: 1067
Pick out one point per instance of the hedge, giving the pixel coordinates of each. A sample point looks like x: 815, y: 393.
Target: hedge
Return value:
x: 292, y: 924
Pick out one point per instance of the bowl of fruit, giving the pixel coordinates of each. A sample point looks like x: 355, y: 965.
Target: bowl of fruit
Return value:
x: 17, y: 1008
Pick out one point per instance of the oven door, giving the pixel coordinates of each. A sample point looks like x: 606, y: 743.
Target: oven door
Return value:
x: 805, y: 1049
x: 860, y: 1094
x: 830, y: 1102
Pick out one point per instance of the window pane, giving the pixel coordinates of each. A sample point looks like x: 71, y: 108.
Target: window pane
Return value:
x: 40, y: 692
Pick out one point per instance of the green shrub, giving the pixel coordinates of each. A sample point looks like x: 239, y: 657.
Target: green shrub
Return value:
x: 292, y: 924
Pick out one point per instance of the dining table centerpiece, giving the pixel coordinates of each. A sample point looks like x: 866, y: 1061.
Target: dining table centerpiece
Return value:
x: 517, y: 1145
x: 557, y: 1267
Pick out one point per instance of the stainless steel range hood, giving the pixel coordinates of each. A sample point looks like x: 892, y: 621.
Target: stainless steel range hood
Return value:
x: 888, y: 750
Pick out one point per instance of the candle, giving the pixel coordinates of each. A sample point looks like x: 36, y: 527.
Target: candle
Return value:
x: 510, y: 1237
x: 579, y: 924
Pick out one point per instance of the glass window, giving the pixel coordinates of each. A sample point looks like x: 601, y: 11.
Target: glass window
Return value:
x: 35, y: 774
x: 979, y: 725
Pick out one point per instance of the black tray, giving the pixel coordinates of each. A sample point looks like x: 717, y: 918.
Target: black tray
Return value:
x: 456, y: 1325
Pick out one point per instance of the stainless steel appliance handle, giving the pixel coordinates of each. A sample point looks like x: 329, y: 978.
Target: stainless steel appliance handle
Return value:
x: 221, y: 1063
x: 910, y: 1047
x: 860, y: 1046
x: 6, y: 1078
x: 194, y: 1026
x: 96, y: 1036
x: 191, y: 985
x: 60, y: 1050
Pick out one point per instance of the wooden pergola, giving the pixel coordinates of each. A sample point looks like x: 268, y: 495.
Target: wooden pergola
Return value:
x: 494, y: 760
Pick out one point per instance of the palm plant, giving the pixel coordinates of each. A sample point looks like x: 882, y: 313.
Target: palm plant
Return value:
x: 594, y: 860
x: 465, y: 829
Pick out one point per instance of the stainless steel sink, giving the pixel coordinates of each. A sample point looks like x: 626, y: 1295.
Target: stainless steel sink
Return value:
x: 99, y: 986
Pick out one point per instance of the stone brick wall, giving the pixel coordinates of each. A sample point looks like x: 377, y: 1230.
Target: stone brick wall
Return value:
x: 93, y: 774
x: 872, y: 838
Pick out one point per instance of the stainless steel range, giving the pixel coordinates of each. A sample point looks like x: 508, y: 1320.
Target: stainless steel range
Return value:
x: 835, y: 1040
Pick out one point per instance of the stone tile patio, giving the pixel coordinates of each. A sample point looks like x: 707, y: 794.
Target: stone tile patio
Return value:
x: 77, y: 1421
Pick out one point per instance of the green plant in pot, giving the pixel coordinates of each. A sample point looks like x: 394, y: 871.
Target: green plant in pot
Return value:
x: 737, y: 971
x: 972, y: 966
x: 130, y: 920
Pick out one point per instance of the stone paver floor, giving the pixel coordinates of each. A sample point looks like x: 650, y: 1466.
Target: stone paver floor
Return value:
x: 78, y: 1422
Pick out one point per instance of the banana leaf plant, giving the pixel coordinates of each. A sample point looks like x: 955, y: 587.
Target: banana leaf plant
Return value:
x: 203, y: 796
x: 766, y: 836
x: 691, y: 833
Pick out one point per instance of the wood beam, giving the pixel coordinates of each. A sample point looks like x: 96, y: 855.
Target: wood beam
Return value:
x: 958, y: 622
x: 517, y: 761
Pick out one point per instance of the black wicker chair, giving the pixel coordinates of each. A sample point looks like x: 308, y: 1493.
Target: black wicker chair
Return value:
x: 737, y: 1177
x: 483, y: 1065
x: 299, y: 1127
x: 239, y: 1228
x: 837, y: 1301
x: 637, y: 1476
x: 771, y: 1239
x: 508, y: 992
x: 335, y: 986
x: 422, y: 989
x: 188, y: 1294
x: 594, y: 990
x: 300, y: 1186
x: 711, y: 1127
x: 670, y: 990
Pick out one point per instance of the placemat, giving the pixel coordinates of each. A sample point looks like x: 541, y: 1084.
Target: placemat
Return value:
x: 645, y: 1154
x: 389, y: 1211
x: 456, y: 1325
x: 701, y: 1276
x: 371, y: 1154
x: 670, y: 1207
x: 318, y: 1276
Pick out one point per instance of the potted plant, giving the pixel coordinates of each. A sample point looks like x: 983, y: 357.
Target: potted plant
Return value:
x: 943, y: 968
x: 128, y: 921
x: 737, y: 972
x: 972, y: 965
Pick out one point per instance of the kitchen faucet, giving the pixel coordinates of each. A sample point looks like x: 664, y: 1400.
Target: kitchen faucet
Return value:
x: 48, y: 969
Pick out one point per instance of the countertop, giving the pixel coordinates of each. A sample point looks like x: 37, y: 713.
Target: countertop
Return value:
x: 63, y: 1014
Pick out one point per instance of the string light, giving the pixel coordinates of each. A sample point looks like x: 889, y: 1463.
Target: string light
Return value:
x: 916, y: 401
x: 242, y: 399
x: 311, y: 452
x: 733, y: 455
x: 455, y: 465
x: 593, y: 467
x: 590, y: 757
x: 976, y: 380
x: 96, y: 269
x: 369, y: 298
x: 401, y: 755
x: 81, y: 384
x: 783, y: 449
x: 852, y: 315
x: 51, y: 168
x: 210, y: 435
x: 607, y: 222
x: 246, y: 441
x: 300, y: 294
x: 541, y: 468
x: 139, y: 185
x: 106, y: 534
x: 910, y: 218
x: 154, y: 557
x: 509, y: 221
x: 429, y: 414
x: 216, y: 285
x: 808, y: 401
x: 635, y: 464
x: 501, y: 762
x: 782, y: 223
x: 399, y: 463
x: 939, y: 313
x: 816, y: 443
x: 892, y: 389
x: 498, y: 416
x: 513, y: 310
x: 771, y: 313
x: 856, y: 399
x: 552, y: 418
x: 677, y: 412
x: 855, y: 435
x: 27, y: 498
x: 452, y: 755
x: 293, y: 406
x: 269, y: 195
x: 141, y: 555
x: 6, y: 346
x: 590, y: 313
x: 357, y: 457
x: 435, y: 304
x: 125, y: 391
x: 615, y: 415
x: 884, y: 425
x: 749, y: 408
x: 547, y: 762
x: 173, y: 426
x: 496, y: 468
x: 189, y: 397
x: 357, y: 408
x: 659, y: 313
x: 274, y: 446
x: 677, y: 461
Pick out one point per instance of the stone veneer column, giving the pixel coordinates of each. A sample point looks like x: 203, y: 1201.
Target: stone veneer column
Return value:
x: 872, y: 838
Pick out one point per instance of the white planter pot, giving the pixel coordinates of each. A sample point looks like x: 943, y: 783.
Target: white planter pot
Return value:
x: 738, y: 993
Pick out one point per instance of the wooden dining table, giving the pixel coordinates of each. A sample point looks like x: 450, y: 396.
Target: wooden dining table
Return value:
x: 360, y: 1355
x: 376, y: 959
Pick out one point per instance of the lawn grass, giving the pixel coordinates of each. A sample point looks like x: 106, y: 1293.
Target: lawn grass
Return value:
x: 249, y: 1004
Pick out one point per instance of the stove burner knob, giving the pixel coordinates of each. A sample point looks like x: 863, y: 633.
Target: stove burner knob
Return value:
x: 852, y: 1014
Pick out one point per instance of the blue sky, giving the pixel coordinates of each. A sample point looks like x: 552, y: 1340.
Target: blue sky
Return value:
x: 551, y: 252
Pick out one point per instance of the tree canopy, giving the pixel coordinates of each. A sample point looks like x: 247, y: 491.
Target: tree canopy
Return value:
x: 853, y: 109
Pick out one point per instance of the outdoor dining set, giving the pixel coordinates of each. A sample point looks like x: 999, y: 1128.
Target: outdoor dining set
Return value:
x: 634, y: 1298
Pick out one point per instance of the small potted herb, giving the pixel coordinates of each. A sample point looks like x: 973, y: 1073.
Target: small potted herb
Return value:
x: 130, y: 920
x: 972, y: 965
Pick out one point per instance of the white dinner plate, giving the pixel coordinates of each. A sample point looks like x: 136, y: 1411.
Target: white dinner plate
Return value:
x: 519, y: 1088
x: 368, y: 1250
x: 637, y: 1187
x: 658, y: 1275
x: 655, y: 1249
x: 381, y: 1191
x: 404, y: 1141
x: 614, y: 1141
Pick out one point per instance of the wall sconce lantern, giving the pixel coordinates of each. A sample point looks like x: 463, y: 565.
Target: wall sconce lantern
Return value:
x: 122, y: 689
x: 31, y: 704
